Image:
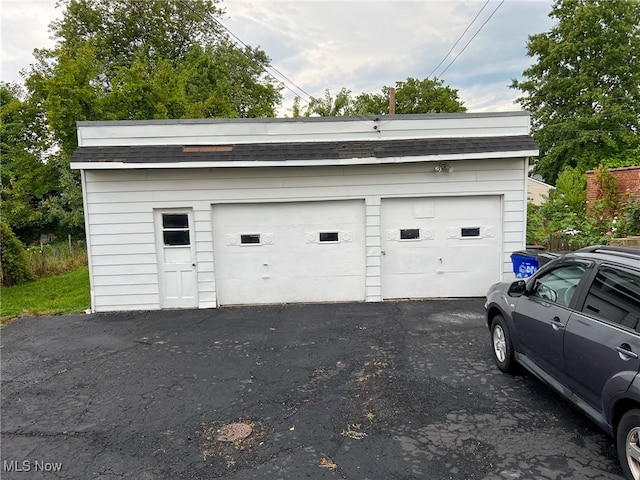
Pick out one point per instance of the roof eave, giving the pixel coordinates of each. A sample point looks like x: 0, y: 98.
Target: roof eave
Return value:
x: 111, y: 165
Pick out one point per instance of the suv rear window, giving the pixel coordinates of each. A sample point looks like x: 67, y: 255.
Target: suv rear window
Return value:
x: 614, y: 297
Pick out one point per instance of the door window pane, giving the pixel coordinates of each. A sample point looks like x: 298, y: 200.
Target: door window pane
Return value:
x: 175, y: 220
x: 559, y: 285
x: 175, y: 229
x: 614, y: 296
x: 176, y: 237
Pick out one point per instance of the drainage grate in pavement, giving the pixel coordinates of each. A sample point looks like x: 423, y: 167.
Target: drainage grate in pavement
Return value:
x: 233, y: 432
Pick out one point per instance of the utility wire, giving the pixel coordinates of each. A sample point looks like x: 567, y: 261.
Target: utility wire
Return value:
x: 459, y: 38
x: 264, y: 68
x: 270, y: 66
x: 470, y: 40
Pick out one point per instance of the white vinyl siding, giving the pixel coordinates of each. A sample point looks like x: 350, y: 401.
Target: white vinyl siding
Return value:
x: 120, y: 206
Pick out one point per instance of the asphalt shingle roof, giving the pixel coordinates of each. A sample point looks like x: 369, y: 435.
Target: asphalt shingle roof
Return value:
x: 266, y: 152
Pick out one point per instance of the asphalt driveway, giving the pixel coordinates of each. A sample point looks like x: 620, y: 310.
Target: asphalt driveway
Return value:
x: 403, y: 390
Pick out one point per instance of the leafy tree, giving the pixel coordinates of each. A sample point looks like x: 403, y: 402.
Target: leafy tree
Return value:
x: 25, y: 181
x: 224, y: 81
x: 570, y: 193
x: 625, y: 158
x: 121, y: 29
x: 425, y: 96
x: 584, y: 89
x: 412, y: 96
x: 63, y: 85
x: 329, y: 106
x: 127, y: 59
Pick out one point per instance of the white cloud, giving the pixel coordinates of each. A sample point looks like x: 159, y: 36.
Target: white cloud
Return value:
x: 24, y: 27
x: 364, y: 46
x: 359, y: 45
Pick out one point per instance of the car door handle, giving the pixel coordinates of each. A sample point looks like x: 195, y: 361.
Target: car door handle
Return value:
x: 624, y: 349
x: 557, y: 324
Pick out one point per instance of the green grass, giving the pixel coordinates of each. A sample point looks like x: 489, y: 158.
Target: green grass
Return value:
x: 60, y: 295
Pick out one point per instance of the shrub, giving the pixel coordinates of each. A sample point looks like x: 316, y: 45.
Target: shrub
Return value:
x: 630, y: 218
x: 562, y: 222
x: 536, y: 233
x: 56, y: 258
x: 607, y: 193
x: 14, y: 262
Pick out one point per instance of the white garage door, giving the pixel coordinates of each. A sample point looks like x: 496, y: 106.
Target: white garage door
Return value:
x: 289, y: 252
x: 440, y: 247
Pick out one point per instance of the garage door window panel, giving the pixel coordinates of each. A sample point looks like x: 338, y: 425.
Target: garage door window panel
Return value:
x: 250, y: 239
x: 410, y: 234
x: 470, y: 232
x: 329, y: 237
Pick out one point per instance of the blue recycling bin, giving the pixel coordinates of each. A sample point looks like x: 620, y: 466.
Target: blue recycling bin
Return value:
x: 525, y: 263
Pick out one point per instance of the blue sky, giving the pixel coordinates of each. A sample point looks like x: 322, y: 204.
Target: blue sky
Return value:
x: 356, y: 44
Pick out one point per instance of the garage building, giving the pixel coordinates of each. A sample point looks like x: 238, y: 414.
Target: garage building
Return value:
x: 204, y: 213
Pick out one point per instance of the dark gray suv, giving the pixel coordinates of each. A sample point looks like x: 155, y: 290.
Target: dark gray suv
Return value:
x: 575, y: 324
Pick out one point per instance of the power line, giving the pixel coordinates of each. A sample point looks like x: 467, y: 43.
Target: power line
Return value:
x: 282, y: 75
x: 474, y: 36
x: 459, y: 38
x: 265, y: 68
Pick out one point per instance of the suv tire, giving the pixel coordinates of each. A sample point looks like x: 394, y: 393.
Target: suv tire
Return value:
x: 502, y: 346
x: 628, y: 443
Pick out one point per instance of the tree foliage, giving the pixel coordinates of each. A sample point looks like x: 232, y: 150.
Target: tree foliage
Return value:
x: 584, y: 88
x: 26, y: 182
x: 120, y: 30
x: 625, y: 158
x: 411, y: 96
x: 328, y: 106
x: 15, y: 265
x: 127, y: 59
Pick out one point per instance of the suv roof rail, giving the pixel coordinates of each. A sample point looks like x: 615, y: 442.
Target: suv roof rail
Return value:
x: 631, y: 252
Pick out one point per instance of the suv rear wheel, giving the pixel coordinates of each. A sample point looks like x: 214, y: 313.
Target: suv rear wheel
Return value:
x: 628, y: 442
x: 502, y: 346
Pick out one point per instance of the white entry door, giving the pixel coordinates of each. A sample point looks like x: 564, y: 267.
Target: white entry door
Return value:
x: 176, y: 259
x: 440, y: 247
x: 289, y: 252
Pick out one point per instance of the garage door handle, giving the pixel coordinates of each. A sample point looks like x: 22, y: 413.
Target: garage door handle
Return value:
x: 624, y: 350
x: 557, y: 324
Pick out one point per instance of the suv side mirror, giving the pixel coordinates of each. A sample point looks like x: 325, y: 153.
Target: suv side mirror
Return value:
x: 517, y: 289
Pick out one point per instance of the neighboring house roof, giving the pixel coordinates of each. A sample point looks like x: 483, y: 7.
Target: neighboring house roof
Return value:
x: 303, y: 151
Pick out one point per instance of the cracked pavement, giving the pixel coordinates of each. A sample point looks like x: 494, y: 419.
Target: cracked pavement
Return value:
x: 394, y: 390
